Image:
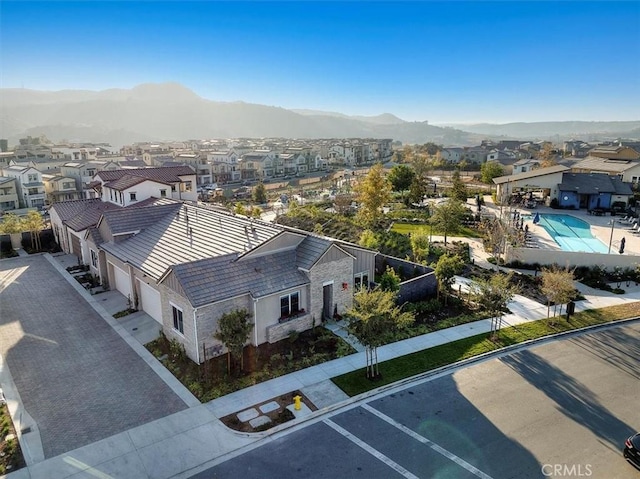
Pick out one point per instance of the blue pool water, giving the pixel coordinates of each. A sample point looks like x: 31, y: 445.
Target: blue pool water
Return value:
x: 571, y: 233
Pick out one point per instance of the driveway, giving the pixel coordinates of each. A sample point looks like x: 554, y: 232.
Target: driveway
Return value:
x: 76, y: 376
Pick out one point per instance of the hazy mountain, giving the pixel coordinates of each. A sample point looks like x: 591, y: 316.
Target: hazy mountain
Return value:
x: 553, y: 129
x: 169, y: 111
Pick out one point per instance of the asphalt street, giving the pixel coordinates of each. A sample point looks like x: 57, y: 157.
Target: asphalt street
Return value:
x: 560, y: 409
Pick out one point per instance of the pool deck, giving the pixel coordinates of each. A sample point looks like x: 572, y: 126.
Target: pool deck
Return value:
x: 600, y: 228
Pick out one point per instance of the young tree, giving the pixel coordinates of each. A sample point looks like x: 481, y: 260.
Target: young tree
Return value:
x: 493, y: 295
x: 557, y: 286
x: 420, y: 244
x: 390, y: 280
x: 233, y: 331
x: 11, y: 224
x: 459, y: 189
x: 417, y: 190
x: 446, y: 269
x: 547, y: 155
x: 372, y: 318
x: 490, y: 170
x: 259, y: 194
x: 447, y: 217
x: 34, y: 224
x: 373, y: 192
x: 342, y: 203
x: 240, y: 209
x: 401, y: 177
x: 368, y: 239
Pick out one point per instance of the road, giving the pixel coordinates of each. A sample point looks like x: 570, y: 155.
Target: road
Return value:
x: 560, y: 409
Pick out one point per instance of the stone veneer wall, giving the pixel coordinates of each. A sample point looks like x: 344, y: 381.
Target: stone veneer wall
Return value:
x: 280, y: 331
x: 340, y: 271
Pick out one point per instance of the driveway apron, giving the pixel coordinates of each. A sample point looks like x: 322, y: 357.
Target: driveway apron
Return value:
x: 76, y: 376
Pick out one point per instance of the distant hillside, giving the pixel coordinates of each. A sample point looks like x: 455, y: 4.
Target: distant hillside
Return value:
x: 169, y: 111
x: 554, y: 129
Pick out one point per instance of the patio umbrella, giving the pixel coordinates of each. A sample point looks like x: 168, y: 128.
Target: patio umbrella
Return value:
x: 536, y: 218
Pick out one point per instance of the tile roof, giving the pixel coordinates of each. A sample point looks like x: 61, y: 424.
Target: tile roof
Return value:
x: 68, y: 209
x: 310, y: 250
x: 89, y: 216
x: 127, y: 181
x: 215, y: 279
x: 595, y: 183
x: 165, y: 174
x: 191, y: 234
x: 129, y: 219
x: 530, y: 174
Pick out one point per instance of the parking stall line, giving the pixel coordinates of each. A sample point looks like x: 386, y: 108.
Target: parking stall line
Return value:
x: 374, y: 452
x: 449, y: 455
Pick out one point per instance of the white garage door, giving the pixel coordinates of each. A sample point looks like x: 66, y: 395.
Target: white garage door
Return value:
x: 150, y: 301
x: 122, y: 281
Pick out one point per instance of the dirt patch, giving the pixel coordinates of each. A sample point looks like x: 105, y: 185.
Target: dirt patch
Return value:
x: 277, y: 416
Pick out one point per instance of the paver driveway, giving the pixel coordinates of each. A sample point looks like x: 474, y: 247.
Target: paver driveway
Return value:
x: 76, y: 376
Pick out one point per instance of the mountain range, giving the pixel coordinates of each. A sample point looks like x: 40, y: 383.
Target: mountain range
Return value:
x: 170, y: 111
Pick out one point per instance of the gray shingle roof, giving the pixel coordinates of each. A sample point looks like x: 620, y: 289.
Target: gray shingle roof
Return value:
x: 174, y: 239
x: 90, y: 216
x: 595, y: 183
x: 310, y: 250
x: 68, y: 209
x: 215, y: 279
x: 169, y: 174
x: 128, y: 219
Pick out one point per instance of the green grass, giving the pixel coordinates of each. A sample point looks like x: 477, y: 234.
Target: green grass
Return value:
x: 356, y: 382
x: 407, y: 228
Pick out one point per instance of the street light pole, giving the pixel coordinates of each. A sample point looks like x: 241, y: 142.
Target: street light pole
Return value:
x: 613, y: 223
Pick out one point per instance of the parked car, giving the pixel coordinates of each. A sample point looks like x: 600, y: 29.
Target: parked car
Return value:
x: 632, y: 450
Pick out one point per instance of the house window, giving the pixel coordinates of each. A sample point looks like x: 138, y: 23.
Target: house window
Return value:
x: 187, y: 186
x: 94, y: 259
x: 163, y: 193
x: 32, y: 178
x: 132, y: 196
x: 361, y: 280
x: 178, y: 324
x: 289, y: 304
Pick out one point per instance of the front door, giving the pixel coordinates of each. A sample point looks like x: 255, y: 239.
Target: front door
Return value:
x: 327, y: 301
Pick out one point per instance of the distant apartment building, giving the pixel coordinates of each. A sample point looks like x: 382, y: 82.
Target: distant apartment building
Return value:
x: 9, y: 199
x: 59, y: 188
x: 29, y: 185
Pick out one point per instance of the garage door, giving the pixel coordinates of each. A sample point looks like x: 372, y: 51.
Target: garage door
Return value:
x: 75, y: 246
x: 150, y: 301
x: 122, y: 281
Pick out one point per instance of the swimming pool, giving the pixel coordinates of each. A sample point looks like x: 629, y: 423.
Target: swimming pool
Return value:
x: 571, y: 233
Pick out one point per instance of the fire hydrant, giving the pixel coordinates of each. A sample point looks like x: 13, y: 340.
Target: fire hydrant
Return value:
x: 296, y: 402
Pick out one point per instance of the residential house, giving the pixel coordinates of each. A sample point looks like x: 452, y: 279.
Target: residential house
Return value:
x: 199, y: 164
x: 615, y: 152
x: 125, y: 187
x: 187, y: 265
x: 524, y: 165
x: 60, y: 188
x: 260, y: 164
x: 29, y: 185
x: 84, y: 171
x: 452, y: 155
x: 9, y: 199
x: 224, y: 166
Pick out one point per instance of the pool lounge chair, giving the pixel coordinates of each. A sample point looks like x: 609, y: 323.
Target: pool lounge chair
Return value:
x: 626, y: 219
x: 634, y: 225
x: 635, y: 229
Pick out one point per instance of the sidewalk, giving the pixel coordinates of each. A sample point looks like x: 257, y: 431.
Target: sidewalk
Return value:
x: 176, y: 444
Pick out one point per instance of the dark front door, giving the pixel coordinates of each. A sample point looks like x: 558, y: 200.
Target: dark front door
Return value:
x: 327, y: 301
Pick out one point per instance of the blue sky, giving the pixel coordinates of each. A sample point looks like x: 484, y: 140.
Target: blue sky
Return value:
x: 443, y: 62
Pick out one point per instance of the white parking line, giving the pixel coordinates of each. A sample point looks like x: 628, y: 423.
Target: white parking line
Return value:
x: 374, y: 452
x: 449, y: 455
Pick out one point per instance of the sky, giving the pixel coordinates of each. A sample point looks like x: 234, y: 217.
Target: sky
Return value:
x: 444, y: 62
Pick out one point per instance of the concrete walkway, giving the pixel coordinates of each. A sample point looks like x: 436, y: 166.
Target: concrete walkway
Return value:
x: 174, y: 445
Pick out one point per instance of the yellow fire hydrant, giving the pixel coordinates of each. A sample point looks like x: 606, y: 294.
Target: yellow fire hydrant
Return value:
x: 296, y: 402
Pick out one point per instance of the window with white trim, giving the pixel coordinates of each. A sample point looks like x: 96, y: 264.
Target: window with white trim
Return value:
x: 132, y: 196
x: 289, y: 304
x: 94, y: 259
x: 163, y: 193
x: 361, y: 280
x: 178, y: 323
